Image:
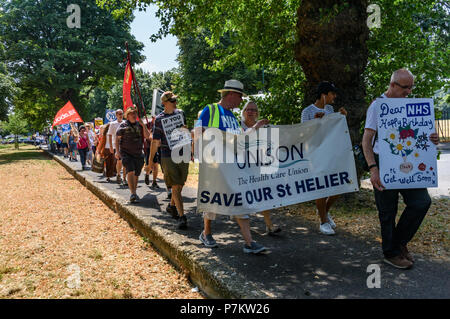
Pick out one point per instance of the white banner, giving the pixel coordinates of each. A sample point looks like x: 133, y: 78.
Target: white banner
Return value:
x: 309, y: 161
x: 408, y: 159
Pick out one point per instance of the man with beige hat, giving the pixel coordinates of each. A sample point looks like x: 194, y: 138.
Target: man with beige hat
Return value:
x: 175, y: 174
x: 220, y: 115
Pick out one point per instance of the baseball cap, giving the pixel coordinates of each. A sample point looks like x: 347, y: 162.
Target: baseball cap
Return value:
x: 325, y: 87
x: 168, y: 95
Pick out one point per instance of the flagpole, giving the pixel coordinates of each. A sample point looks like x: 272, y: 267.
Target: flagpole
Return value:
x: 137, y: 91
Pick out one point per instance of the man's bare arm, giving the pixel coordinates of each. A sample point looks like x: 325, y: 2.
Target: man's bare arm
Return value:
x: 370, y: 158
x: 153, y: 148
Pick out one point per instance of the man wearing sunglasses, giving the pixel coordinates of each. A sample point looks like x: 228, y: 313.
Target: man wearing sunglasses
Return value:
x: 395, y: 237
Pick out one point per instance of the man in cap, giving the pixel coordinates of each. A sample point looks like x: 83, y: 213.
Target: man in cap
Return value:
x: 129, y: 142
x: 220, y: 115
x: 175, y: 174
x: 325, y: 96
x: 395, y: 237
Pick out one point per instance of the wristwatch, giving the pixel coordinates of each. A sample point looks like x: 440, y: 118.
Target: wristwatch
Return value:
x: 373, y: 165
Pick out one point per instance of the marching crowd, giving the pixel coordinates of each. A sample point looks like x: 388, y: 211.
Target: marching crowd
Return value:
x: 123, y: 147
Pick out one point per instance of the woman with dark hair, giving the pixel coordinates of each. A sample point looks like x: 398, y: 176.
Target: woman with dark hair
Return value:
x: 326, y: 94
x: 83, y: 146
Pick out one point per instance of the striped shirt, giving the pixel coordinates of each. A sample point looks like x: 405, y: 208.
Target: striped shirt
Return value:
x: 309, y: 112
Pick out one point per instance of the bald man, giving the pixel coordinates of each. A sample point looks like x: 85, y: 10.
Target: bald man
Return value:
x: 395, y: 237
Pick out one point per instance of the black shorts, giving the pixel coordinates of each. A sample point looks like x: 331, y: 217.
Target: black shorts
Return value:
x: 64, y: 145
x: 156, y: 158
x: 132, y: 163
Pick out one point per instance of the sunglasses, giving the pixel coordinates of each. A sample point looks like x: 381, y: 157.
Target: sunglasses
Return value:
x: 251, y: 110
x: 405, y: 86
x: 172, y: 100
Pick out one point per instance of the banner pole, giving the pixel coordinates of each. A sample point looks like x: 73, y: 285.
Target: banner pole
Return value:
x: 137, y: 91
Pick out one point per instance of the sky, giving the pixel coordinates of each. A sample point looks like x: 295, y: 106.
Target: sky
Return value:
x: 161, y: 55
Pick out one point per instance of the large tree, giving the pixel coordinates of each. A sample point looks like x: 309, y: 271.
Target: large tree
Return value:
x: 54, y: 63
x: 331, y: 46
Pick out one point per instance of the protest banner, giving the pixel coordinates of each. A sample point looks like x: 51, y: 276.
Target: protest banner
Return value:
x: 408, y: 159
x: 65, y: 128
x: 311, y: 160
x: 175, y: 137
x: 66, y: 114
x: 157, y: 106
x: 110, y: 116
x: 126, y: 87
x: 98, y: 122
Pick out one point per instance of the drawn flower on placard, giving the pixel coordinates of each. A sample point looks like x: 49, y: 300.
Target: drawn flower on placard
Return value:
x: 392, y: 135
x: 409, y: 142
x: 402, y: 141
x: 416, y: 154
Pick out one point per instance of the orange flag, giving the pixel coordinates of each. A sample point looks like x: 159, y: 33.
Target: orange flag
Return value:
x: 126, y: 92
x: 66, y: 114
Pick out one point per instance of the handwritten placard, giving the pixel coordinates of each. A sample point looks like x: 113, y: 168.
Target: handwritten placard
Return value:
x: 175, y: 134
x: 407, y: 156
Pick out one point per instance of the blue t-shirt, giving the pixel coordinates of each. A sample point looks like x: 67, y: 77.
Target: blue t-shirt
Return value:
x: 227, y: 120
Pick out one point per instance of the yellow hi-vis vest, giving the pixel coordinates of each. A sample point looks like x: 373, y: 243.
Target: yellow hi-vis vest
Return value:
x: 214, y: 116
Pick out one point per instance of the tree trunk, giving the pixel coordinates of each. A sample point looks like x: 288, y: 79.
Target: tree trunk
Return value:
x: 331, y: 46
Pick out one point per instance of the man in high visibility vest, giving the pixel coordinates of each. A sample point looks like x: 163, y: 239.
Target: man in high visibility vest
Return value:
x: 219, y: 115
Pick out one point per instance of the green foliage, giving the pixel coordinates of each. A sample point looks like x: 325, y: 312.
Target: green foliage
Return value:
x: 54, y: 63
x: 147, y: 82
x: 97, y: 103
x: 7, y: 86
x: 16, y: 125
x: 414, y: 34
x: 199, y: 81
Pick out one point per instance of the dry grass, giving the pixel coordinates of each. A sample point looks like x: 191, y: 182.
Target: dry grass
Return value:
x: 52, y: 228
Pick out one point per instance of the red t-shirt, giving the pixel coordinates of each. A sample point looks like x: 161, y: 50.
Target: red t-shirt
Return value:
x: 82, y: 143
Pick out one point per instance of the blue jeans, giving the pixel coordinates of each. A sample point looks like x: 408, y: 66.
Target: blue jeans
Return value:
x: 83, y: 154
x: 393, y: 236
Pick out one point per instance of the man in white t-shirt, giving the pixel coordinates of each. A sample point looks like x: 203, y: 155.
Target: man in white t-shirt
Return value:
x: 325, y: 95
x: 112, y: 143
x: 395, y: 237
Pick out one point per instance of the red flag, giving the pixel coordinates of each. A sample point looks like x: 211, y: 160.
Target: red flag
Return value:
x: 126, y: 93
x: 66, y: 114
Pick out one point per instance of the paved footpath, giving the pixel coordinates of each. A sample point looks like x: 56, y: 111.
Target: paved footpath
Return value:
x: 301, y: 262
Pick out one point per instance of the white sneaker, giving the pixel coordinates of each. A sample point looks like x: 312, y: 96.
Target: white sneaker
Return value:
x: 331, y: 221
x: 326, y: 229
